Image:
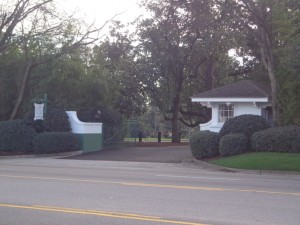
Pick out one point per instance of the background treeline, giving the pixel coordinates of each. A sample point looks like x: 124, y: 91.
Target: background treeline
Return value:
x: 179, y: 48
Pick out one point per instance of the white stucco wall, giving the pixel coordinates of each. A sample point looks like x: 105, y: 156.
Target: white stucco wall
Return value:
x: 79, y: 127
x: 240, y: 108
x: 246, y: 108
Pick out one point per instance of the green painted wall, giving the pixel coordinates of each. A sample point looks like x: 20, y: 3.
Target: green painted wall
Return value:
x: 90, y: 142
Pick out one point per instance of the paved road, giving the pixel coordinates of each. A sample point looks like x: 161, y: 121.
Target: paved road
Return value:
x: 63, y: 191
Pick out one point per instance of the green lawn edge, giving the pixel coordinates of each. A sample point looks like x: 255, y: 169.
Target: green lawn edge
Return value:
x: 261, y: 161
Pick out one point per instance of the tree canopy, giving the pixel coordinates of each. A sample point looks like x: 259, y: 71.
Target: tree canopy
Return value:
x: 178, y: 49
x: 183, y: 49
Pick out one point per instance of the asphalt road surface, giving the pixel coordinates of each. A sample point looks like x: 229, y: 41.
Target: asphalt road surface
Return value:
x: 159, y: 153
x: 45, y: 191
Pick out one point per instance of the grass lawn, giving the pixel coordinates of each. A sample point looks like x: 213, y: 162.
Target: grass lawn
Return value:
x: 261, y: 161
x: 152, y: 139
x: 148, y: 139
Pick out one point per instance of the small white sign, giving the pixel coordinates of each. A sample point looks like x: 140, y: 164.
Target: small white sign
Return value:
x: 38, y: 111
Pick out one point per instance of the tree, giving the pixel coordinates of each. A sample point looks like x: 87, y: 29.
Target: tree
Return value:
x: 12, y: 14
x: 274, y: 24
x: 113, y: 63
x: 181, y: 48
x: 41, y: 34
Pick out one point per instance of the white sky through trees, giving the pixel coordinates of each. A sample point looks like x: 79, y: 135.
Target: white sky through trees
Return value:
x: 102, y: 10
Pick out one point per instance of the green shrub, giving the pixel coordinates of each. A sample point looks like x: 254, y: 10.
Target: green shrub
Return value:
x: 37, y: 125
x: 16, y: 136
x: 57, y: 120
x: 233, y: 144
x: 245, y: 124
x: 204, y: 144
x: 278, y: 139
x: 55, y: 142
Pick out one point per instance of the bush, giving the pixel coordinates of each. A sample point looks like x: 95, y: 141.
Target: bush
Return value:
x: 204, y: 144
x: 16, y: 136
x: 57, y: 120
x: 245, y: 124
x: 278, y: 139
x: 37, y: 125
x: 233, y: 144
x: 55, y: 142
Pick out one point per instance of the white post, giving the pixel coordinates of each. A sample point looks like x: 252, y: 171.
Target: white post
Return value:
x: 38, y: 111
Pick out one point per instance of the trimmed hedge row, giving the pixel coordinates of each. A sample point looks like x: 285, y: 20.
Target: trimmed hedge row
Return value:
x: 16, y: 136
x: 56, y: 120
x: 55, y: 142
x: 204, y: 144
x: 279, y: 139
x: 233, y: 144
x: 245, y: 124
x: 245, y: 133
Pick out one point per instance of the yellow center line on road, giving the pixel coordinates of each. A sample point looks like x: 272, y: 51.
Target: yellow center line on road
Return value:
x: 101, y: 214
x: 199, y: 188
x: 97, y: 211
x: 212, y: 189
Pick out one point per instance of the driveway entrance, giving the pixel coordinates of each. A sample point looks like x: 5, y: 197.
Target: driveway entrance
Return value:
x: 156, y: 152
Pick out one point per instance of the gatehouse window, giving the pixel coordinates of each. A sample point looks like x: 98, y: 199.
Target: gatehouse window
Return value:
x: 226, y: 111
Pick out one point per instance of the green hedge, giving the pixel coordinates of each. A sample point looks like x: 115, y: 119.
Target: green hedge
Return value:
x: 37, y: 125
x: 204, y: 144
x: 233, y: 144
x: 245, y: 124
x: 16, y: 136
x: 57, y: 120
x: 279, y: 139
x: 55, y: 142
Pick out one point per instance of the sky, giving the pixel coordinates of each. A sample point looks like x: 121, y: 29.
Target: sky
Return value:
x: 103, y: 10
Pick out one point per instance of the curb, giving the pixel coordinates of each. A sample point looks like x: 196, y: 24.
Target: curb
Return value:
x: 52, y: 155
x: 207, y: 165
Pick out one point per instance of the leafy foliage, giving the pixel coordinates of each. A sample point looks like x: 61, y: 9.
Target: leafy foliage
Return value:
x: 57, y: 120
x: 16, y: 136
x: 279, y: 139
x: 204, y: 144
x: 182, y: 50
x: 115, y: 61
x: 181, y: 53
x: 49, y: 35
x: 55, y: 142
x: 233, y: 144
x: 38, y: 126
x: 271, y: 31
x: 245, y: 124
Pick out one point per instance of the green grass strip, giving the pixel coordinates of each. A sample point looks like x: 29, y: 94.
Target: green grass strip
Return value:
x: 261, y: 161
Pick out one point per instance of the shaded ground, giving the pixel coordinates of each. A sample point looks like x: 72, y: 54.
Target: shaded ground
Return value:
x: 7, y: 153
x: 142, y: 152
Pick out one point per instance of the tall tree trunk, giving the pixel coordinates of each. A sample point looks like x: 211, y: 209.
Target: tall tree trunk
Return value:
x: 21, y: 94
x: 274, y: 90
x: 209, y: 73
x: 175, y: 121
x: 269, y: 64
x: 176, y: 104
x: 262, y: 32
